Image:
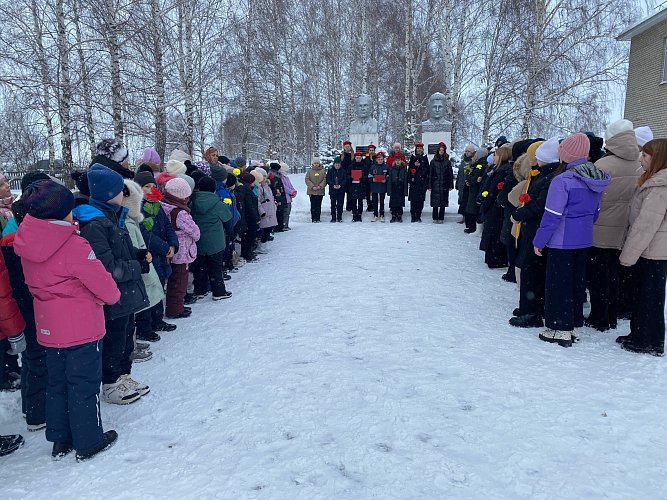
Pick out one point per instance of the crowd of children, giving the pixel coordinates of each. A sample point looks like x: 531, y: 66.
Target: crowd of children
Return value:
x: 123, y: 252
x: 87, y: 279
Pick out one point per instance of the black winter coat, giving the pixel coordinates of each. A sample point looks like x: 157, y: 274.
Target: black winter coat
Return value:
x: 397, y: 186
x: 101, y: 226
x: 20, y: 290
x: 508, y: 209
x: 278, y: 189
x: 248, y: 206
x: 530, y: 214
x: 493, y: 213
x: 440, y: 181
x: 158, y: 239
x: 418, y: 170
x: 336, y: 177
x: 359, y: 189
x: 475, y: 171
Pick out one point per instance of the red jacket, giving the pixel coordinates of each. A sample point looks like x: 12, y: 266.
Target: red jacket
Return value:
x: 68, y: 283
x: 11, y: 321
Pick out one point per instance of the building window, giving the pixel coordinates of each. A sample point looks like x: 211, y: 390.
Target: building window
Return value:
x: 664, y: 64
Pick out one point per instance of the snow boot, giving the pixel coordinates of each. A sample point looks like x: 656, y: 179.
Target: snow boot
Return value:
x: 622, y: 339
x: 399, y: 219
x: 36, y: 427
x: 108, y: 440
x: 189, y: 299
x: 375, y: 218
x: 163, y: 326
x: 629, y: 345
x: 148, y: 336
x: 382, y: 218
x: 527, y: 321
x: 393, y: 219
x: 9, y: 444
x: 119, y: 393
x: 140, y: 355
x: 517, y: 312
x: 560, y: 337
x: 61, y: 450
x: 225, y: 295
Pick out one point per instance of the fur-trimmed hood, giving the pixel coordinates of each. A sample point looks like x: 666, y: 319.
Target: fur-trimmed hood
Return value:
x: 134, y: 200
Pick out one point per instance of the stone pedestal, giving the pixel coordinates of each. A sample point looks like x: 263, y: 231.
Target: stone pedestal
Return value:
x: 432, y: 139
x: 363, y: 140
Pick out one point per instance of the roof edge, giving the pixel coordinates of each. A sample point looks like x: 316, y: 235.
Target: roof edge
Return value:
x: 641, y: 26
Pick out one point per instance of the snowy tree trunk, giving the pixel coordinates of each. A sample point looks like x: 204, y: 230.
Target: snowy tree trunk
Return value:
x: 533, y: 67
x: 457, y: 69
x: 409, y: 63
x: 45, y: 81
x: 110, y: 28
x: 64, y: 102
x: 160, y: 101
x: 85, y: 82
x: 185, y: 68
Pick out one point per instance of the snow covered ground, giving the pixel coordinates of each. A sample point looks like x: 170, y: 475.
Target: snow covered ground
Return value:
x: 369, y: 361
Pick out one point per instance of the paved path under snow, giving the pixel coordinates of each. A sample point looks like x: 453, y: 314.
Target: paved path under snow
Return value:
x: 369, y: 361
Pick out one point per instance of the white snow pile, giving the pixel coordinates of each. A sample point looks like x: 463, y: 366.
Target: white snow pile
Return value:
x: 368, y: 361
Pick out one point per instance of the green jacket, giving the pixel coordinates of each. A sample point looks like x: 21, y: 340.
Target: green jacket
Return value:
x: 152, y: 282
x: 210, y: 213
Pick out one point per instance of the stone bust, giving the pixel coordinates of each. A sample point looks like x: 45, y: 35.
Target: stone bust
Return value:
x: 436, y: 115
x: 364, y: 123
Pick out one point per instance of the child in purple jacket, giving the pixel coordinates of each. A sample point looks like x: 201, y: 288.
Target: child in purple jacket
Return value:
x: 572, y: 207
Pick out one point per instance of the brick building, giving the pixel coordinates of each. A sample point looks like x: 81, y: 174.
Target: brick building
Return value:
x: 646, y: 93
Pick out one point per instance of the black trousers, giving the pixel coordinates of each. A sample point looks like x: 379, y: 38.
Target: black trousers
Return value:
x: 396, y: 211
x: 247, y: 241
x: 647, y: 325
x: 72, y: 395
x: 357, y: 208
x: 280, y: 214
x: 602, y: 276
x: 147, y: 320
x: 565, y: 290
x: 316, y: 207
x: 207, y: 271
x: 118, y: 345
x: 416, y: 208
x: 471, y: 221
x: 337, y: 200
x: 531, y: 288
x: 34, y: 377
x: 438, y: 213
x: 377, y: 200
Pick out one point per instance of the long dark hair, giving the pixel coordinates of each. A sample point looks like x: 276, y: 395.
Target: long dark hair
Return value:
x: 437, y: 155
x: 657, y: 150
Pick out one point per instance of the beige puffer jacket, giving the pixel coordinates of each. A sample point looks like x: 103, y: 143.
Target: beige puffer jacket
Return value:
x: 647, y: 234
x: 624, y: 168
x: 316, y: 176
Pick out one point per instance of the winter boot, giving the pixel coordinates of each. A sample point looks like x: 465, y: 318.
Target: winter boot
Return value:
x: 629, y: 345
x: 119, y: 393
x: 163, y: 326
x: 9, y: 444
x: 375, y: 218
x: 61, y: 450
x: 225, y: 295
x: 189, y: 299
x: 393, y: 219
x: 400, y: 219
x: 560, y: 337
x: 140, y: 355
x: 36, y: 427
x: 108, y: 440
x: 382, y: 218
x: 527, y: 321
x: 148, y: 336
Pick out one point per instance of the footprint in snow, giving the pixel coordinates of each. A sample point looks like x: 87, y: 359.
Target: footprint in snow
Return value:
x: 385, y: 448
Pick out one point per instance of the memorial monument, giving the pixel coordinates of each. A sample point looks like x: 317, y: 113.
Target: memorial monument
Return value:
x: 436, y: 128
x: 364, y: 129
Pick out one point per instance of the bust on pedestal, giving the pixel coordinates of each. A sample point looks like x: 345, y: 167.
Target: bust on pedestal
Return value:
x: 364, y: 129
x: 437, y: 128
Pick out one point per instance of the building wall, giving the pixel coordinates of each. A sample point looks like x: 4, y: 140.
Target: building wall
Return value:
x: 646, y: 97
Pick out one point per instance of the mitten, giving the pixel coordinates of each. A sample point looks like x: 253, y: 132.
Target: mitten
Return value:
x: 142, y: 254
x: 17, y: 344
x: 145, y: 267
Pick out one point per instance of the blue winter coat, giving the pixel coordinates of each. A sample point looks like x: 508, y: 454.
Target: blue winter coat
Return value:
x: 336, y: 177
x: 223, y: 192
x: 158, y: 240
x: 378, y: 187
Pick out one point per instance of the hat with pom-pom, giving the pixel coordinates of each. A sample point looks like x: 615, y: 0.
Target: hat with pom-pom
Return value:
x: 112, y: 149
x: 175, y: 167
x: 31, y: 177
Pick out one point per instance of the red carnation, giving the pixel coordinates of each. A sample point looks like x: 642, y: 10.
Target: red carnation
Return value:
x: 154, y: 195
x: 500, y: 186
x: 413, y: 171
x: 524, y: 198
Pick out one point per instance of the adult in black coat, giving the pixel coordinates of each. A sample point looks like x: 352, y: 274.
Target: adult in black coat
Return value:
x: 347, y: 157
x: 533, y: 268
x: 357, y: 182
x: 397, y: 189
x: 418, y: 171
x: 440, y: 182
x: 506, y: 237
x: 474, y: 175
x: 369, y: 161
x: 248, y: 208
x: 495, y: 253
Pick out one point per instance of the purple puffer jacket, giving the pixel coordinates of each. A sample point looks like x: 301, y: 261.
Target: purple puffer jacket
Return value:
x: 289, y: 188
x: 573, y: 205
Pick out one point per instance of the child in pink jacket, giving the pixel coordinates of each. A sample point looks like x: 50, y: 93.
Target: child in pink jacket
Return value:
x: 70, y: 287
x: 175, y: 203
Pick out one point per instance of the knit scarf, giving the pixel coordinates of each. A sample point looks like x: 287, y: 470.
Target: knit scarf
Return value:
x: 177, y: 202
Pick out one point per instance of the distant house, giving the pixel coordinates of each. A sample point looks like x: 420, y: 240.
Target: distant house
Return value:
x: 646, y: 95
